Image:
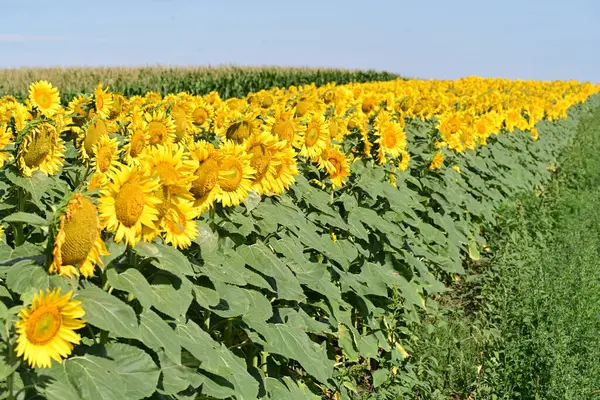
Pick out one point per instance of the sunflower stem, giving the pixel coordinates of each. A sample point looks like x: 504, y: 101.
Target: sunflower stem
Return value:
x: 263, y: 360
x: 19, y: 234
x: 92, y: 334
x: 103, y: 337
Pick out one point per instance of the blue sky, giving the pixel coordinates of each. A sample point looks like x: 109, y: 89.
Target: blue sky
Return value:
x: 529, y: 39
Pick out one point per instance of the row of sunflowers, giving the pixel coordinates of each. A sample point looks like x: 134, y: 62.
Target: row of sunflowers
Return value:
x: 149, y: 166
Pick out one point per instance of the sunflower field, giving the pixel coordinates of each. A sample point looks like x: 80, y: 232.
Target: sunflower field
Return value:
x: 281, y: 245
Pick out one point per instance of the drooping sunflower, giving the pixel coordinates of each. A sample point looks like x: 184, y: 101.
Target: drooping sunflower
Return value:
x: 172, y: 166
x: 41, y: 149
x: 129, y: 203
x: 285, y: 171
x: 235, y: 174
x: 89, y: 136
x: 106, y: 153
x: 183, y: 123
x: 6, y: 138
x: 78, y: 244
x: 103, y: 101
x: 47, y: 327
x: 315, y: 137
x: 204, y: 187
x: 336, y: 164
x: 44, y: 97
x: 264, y: 149
x: 135, y: 143
x: 178, y: 226
x: 160, y: 127
x: 239, y: 126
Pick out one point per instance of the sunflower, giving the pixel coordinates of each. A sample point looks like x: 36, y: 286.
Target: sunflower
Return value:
x: 129, y: 203
x: 405, y: 158
x: 172, y: 167
x: 135, y: 143
x: 78, y: 244
x: 390, y: 137
x: 285, y: 171
x: 41, y: 149
x: 336, y: 164
x: 91, y: 133
x: 315, y: 137
x: 182, y: 122
x: 103, y: 101
x: 106, y: 153
x: 437, y: 161
x: 202, y: 114
x: 6, y: 138
x: 239, y: 127
x: 204, y: 187
x: 235, y: 175
x: 77, y: 109
x: 46, y: 329
x: 285, y: 126
x: 160, y: 127
x: 337, y: 129
x: 264, y: 149
x: 44, y: 97
x: 178, y: 226
x: 97, y: 181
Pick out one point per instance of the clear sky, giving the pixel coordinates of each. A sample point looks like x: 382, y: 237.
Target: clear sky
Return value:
x: 526, y: 39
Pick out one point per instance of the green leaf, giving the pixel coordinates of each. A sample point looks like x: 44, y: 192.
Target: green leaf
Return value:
x: 176, y: 377
x: 132, y: 281
x: 169, y: 299
x: 217, y: 359
x: 136, y: 368
x: 107, y: 312
x: 168, y: 258
x: 156, y: 334
x: 86, y: 377
x: 31, y: 219
x: 380, y: 376
x: 37, y: 184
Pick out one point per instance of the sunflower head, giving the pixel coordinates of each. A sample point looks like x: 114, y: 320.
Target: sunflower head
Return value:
x: 41, y: 149
x: 44, y: 97
x: 159, y: 127
x: 315, y: 137
x: 235, y: 175
x: 103, y: 101
x: 46, y: 328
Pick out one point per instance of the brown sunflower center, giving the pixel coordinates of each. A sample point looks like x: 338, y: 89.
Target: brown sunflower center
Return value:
x: 99, y: 102
x: 390, y: 140
x: 261, y: 159
x: 81, y: 231
x: 368, y: 105
x: 94, y: 132
x: 312, y: 136
x: 129, y: 203
x: 200, y: 116
x: 206, y: 180
x: 239, y: 131
x: 39, y: 148
x: 284, y: 130
x: 230, y: 174
x: 158, y: 132
x: 302, y: 108
x: 266, y: 101
x: 43, y: 325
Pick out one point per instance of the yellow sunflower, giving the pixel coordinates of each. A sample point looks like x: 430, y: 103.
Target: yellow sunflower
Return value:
x: 285, y: 126
x: 336, y: 164
x: 47, y: 327
x: 6, y: 138
x: 285, y: 171
x: 106, y: 153
x: 77, y: 109
x: 44, y: 97
x: 182, y: 122
x: 97, y: 181
x: 403, y: 164
x: 129, y: 203
x: 172, y: 166
x: 239, y: 126
x: 390, y: 137
x: 315, y: 137
x: 135, y: 143
x: 264, y: 149
x: 160, y: 128
x: 178, y: 226
x: 235, y: 174
x: 78, y: 244
x: 103, y: 101
x: 202, y: 114
x: 437, y: 161
x: 204, y: 187
x: 41, y: 149
x: 89, y: 136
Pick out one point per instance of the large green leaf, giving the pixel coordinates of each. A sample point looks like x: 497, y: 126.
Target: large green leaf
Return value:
x: 107, y: 312
x: 136, y: 368
x: 167, y: 258
x: 28, y: 218
x: 132, y: 281
x: 156, y: 334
